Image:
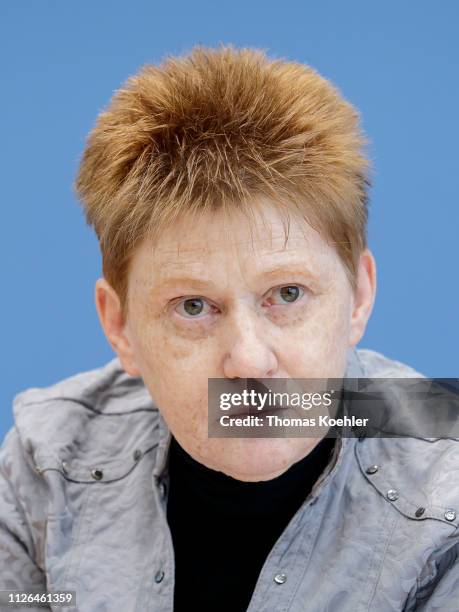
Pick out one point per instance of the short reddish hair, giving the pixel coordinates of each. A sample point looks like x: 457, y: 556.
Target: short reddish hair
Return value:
x: 217, y: 128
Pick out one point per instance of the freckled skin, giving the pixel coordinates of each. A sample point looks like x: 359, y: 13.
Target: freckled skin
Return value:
x: 245, y: 329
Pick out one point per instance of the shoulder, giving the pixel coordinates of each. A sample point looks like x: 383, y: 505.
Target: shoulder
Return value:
x: 93, y: 426
x: 419, y: 477
x: 422, y: 470
x: 379, y: 365
x: 101, y: 415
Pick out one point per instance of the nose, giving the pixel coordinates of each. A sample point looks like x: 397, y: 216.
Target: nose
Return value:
x: 249, y: 352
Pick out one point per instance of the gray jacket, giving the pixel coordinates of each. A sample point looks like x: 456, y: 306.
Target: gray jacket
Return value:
x: 83, y: 493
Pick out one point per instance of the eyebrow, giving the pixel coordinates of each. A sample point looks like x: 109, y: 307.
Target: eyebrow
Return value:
x: 271, y: 273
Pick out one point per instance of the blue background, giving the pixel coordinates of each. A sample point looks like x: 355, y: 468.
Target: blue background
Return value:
x: 397, y: 62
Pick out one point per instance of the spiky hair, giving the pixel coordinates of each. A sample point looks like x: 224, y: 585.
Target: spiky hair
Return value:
x: 218, y: 128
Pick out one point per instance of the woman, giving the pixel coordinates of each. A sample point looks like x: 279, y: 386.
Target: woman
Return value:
x: 229, y: 195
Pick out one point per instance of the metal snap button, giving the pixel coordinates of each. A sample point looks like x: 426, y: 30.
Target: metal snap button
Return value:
x: 38, y: 469
x: 280, y: 578
x: 162, y: 489
x: 420, y: 511
x: 372, y: 469
x: 65, y: 466
x: 450, y: 515
x: 97, y: 474
x: 137, y: 454
x: 159, y: 576
x: 392, y: 494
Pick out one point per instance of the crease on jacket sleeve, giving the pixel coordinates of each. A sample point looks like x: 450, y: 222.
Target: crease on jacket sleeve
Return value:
x: 439, y: 588
x: 18, y: 567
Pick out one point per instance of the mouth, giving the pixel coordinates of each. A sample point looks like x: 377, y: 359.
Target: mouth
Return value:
x: 260, y: 413
x: 258, y: 388
x: 255, y: 397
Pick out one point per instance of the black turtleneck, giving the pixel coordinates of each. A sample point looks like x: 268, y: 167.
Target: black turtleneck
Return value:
x: 223, y: 528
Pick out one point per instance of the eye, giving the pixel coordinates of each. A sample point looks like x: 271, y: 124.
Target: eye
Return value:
x: 191, y: 307
x: 288, y: 294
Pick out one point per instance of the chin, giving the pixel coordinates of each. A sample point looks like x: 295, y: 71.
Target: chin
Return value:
x: 253, y: 459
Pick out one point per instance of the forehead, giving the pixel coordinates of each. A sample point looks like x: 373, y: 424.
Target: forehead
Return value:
x: 217, y: 239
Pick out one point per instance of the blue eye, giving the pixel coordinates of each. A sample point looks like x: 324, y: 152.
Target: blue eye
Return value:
x: 192, y: 307
x: 289, y: 293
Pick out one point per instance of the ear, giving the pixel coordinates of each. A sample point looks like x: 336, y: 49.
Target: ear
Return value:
x: 364, y: 296
x: 109, y: 310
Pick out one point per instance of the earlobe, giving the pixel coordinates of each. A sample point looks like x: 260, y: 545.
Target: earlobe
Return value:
x: 115, y: 329
x: 364, y: 297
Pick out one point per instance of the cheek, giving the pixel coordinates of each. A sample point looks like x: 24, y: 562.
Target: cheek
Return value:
x: 318, y: 344
x: 174, y: 349
x: 191, y: 355
x: 161, y: 341
x: 174, y: 367
x: 183, y: 405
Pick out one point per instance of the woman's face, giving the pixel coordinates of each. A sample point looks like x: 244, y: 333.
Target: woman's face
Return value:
x: 209, y: 301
